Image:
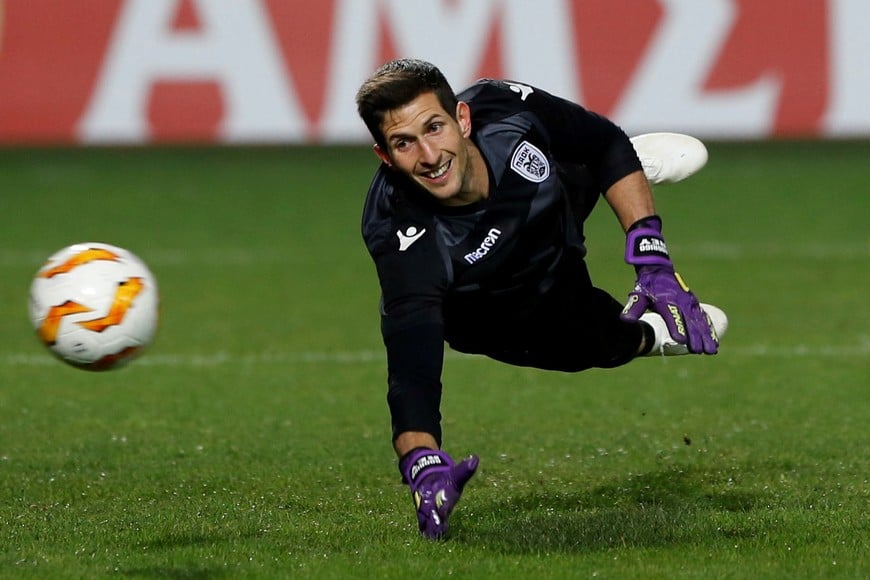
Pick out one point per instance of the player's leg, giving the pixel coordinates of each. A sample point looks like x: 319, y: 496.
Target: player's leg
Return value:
x: 572, y: 327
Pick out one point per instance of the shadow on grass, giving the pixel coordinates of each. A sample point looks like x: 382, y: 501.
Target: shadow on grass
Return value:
x: 650, y: 510
x: 182, y: 541
x: 176, y: 572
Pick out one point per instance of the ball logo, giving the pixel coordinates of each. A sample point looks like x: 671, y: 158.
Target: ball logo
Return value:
x: 47, y: 331
x: 80, y: 259
x: 125, y: 298
x: 530, y: 163
x: 123, y: 301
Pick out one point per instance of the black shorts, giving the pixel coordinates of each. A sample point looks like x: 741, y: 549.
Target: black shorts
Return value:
x: 571, y: 327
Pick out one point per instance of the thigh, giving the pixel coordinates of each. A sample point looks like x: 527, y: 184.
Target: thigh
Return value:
x: 589, y: 333
x: 583, y: 333
x: 574, y: 326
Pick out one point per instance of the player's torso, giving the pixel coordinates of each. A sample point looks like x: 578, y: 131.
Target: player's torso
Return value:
x: 507, y: 243
x: 514, y: 236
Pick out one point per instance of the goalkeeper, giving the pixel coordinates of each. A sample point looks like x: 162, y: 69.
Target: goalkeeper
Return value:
x: 474, y: 221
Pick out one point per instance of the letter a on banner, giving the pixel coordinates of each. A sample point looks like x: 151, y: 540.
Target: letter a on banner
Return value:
x: 234, y: 47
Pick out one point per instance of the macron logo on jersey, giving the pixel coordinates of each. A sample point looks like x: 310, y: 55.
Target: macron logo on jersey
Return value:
x: 530, y: 163
x: 486, y: 246
x: 408, y: 237
x: 523, y: 90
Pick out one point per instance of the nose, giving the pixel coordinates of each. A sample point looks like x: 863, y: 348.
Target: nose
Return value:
x: 429, y: 153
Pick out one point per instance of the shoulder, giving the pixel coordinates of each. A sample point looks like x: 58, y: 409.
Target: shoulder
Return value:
x: 390, y: 212
x: 404, y: 243
x: 493, y: 98
x: 383, y: 202
x: 510, y: 107
x: 497, y: 90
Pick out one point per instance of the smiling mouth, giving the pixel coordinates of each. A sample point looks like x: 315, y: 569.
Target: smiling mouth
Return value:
x: 438, y: 171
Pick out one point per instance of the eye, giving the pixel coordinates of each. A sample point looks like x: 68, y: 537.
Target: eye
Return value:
x: 436, y: 127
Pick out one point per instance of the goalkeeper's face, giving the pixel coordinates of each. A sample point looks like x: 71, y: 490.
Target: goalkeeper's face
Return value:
x: 432, y: 147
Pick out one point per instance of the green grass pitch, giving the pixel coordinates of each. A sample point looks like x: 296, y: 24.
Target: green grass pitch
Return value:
x: 252, y: 439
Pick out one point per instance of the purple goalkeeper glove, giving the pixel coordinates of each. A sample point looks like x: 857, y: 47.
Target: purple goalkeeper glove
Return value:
x: 436, y: 486
x: 660, y: 289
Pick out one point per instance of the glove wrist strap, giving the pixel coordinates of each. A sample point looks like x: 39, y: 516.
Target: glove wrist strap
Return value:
x: 644, y: 244
x: 420, y: 462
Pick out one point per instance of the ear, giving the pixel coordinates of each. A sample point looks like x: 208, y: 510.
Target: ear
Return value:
x: 463, y: 117
x: 382, y: 155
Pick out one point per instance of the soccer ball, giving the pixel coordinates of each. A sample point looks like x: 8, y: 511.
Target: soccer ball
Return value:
x: 94, y: 305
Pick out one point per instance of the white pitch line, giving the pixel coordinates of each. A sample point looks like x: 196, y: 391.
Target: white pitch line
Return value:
x: 859, y: 349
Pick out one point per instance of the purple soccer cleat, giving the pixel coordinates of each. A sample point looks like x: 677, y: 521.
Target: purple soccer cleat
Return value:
x: 436, y: 485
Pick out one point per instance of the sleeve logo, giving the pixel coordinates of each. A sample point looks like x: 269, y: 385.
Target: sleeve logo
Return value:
x: 522, y: 90
x: 408, y: 237
x: 530, y: 163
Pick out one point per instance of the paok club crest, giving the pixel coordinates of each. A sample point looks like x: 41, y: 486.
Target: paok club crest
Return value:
x: 530, y: 162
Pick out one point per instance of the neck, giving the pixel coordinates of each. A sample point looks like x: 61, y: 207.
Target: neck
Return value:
x: 476, y: 185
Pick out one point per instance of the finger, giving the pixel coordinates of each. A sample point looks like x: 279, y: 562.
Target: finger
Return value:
x: 462, y: 471
x: 711, y: 346
x: 637, y: 304
x: 695, y: 342
x: 675, y: 321
x: 711, y: 340
x: 702, y: 336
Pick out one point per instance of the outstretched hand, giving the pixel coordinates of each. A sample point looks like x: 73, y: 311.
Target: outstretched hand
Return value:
x: 436, y: 485
x: 660, y: 289
x: 663, y: 291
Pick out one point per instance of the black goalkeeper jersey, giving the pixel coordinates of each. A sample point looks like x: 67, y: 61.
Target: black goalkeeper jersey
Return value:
x: 440, y: 267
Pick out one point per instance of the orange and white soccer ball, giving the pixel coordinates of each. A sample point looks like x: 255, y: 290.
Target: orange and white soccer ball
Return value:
x: 94, y: 305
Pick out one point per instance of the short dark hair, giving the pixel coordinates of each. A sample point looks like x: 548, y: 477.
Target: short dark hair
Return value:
x: 396, y: 84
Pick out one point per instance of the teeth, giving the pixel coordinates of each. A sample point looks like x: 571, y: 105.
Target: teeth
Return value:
x: 440, y: 171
